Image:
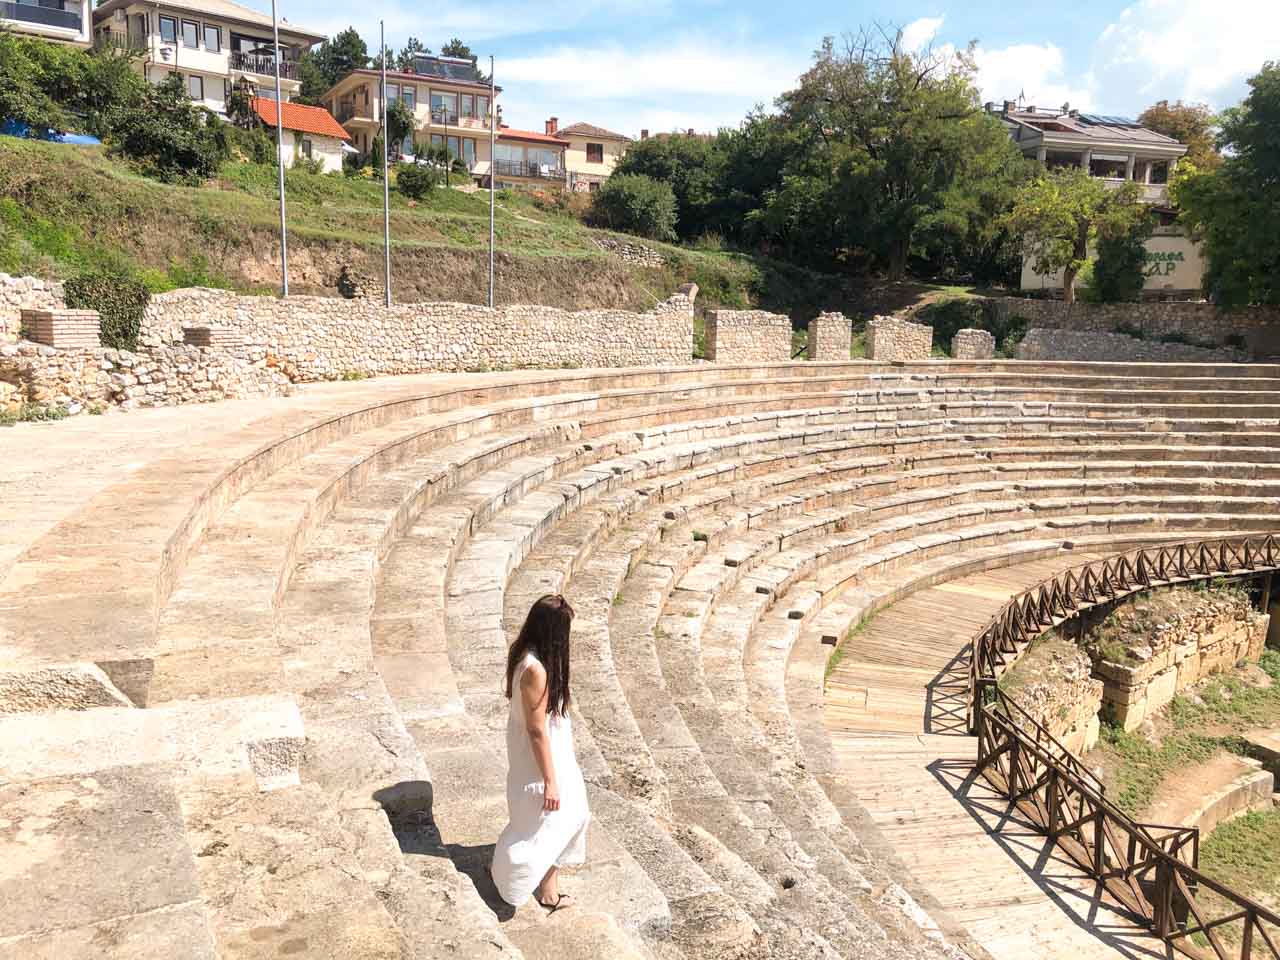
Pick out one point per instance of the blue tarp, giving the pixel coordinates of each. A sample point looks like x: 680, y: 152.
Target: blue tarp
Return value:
x: 16, y: 128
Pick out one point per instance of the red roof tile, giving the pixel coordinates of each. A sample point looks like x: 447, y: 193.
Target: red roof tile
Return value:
x: 295, y: 116
x: 510, y: 133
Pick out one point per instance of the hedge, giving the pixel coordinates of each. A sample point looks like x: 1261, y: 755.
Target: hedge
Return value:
x: 121, y: 300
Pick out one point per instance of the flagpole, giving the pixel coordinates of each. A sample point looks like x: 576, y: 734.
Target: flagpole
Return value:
x: 493, y: 166
x: 386, y: 181
x: 284, y: 230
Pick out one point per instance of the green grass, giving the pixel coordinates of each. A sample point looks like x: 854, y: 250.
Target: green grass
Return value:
x: 33, y: 413
x: 837, y: 655
x: 1243, y: 853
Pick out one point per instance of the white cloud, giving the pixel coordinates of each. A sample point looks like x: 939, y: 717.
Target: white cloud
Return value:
x: 918, y: 34
x: 1187, y: 49
x: 1037, y: 71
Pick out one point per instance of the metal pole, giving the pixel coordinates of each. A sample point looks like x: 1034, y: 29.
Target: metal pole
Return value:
x: 493, y: 135
x: 386, y: 179
x: 284, y: 230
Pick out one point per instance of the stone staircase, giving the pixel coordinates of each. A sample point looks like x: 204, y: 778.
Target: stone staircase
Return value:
x: 260, y: 685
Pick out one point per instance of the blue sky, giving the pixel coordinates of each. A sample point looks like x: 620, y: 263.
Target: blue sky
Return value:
x: 673, y: 64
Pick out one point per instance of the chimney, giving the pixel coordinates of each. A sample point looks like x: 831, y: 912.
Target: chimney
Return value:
x: 553, y: 124
x: 1031, y: 109
x: 1066, y: 108
x: 1009, y: 107
x: 689, y: 131
x: 644, y: 134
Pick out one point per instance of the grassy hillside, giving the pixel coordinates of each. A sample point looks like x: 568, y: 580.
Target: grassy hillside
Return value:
x: 66, y: 208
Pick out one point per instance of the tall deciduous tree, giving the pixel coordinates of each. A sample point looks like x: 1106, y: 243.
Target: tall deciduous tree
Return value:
x: 890, y: 128
x: 1189, y: 123
x: 1058, y: 217
x: 1236, y: 208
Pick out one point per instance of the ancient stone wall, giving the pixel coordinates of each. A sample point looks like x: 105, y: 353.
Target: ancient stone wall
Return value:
x: 1254, y: 329
x: 1058, y: 689
x: 889, y: 338
x: 748, y: 336
x: 29, y: 293
x: 629, y: 251
x: 77, y: 380
x: 1205, y: 633
x: 322, y: 338
x: 1040, y: 344
x: 830, y: 337
x: 973, y: 345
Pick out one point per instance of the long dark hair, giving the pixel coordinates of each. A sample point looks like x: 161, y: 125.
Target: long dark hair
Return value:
x: 545, y: 634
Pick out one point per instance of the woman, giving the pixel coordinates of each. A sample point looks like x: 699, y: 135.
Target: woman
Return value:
x: 546, y: 798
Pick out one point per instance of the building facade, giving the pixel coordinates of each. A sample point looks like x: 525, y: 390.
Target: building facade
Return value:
x: 590, y: 154
x: 309, y: 133
x: 1116, y: 151
x: 211, y: 44
x: 526, y: 159
x: 446, y: 96
x: 62, y: 21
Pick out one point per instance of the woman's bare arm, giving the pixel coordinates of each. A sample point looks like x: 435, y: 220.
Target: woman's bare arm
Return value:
x: 533, y: 697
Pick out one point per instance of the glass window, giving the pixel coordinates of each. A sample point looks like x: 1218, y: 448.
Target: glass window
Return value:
x: 444, y: 106
x: 306, y: 149
x: 409, y: 97
x: 541, y: 157
x: 482, y: 106
x: 468, y: 105
x: 393, y: 92
x: 212, y: 39
x: 454, y: 149
x: 595, y: 153
x: 1159, y: 171
x: 437, y: 140
x: 195, y: 87
x: 469, y: 152
x: 168, y: 30
x: 190, y: 34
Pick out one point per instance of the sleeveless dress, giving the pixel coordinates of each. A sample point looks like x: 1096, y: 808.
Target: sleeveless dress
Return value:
x: 536, y: 840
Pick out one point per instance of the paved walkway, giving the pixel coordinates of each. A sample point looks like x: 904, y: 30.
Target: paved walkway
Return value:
x: 895, y: 714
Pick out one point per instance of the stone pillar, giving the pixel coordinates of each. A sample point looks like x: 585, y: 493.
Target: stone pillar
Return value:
x: 830, y: 337
x: 1128, y: 167
x: 889, y: 338
x: 64, y: 329
x: 1086, y: 159
x: 748, y: 336
x: 973, y: 345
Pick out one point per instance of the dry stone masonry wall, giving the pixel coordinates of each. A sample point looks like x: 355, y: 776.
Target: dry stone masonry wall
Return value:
x: 1041, y: 344
x: 1257, y: 329
x: 973, y: 345
x: 321, y: 338
x: 748, y: 336
x: 889, y: 338
x: 1162, y: 649
x: 631, y: 252
x: 1061, y: 693
x: 830, y: 337
x: 24, y: 293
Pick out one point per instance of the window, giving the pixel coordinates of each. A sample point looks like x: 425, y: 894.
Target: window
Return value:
x: 444, y: 107
x: 1159, y: 171
x: 168, y: 30
x: 469, y: 152
x: 409, y: 97
x: 306, y: 149
x: 191, y: 34
x: 544, y: 159
x: 1107, y: 167
x: 195, y: 87
x: 595, y: 153
x: 482, y: 108
x: 212, y: 39
x: 592, y: 186
x: 468, y: 106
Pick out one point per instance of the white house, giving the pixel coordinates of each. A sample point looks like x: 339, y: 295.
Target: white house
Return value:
x: 309, y: 132
x: 211, y: 44
x: 63, y: 21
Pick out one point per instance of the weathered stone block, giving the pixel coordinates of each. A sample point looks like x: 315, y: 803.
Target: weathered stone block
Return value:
x: 890, y: 338
x: 973, y: 345
x: 748, y: 336
x: 830, y: 337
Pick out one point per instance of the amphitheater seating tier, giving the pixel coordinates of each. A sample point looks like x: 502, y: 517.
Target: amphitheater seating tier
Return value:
x: 287, y: 646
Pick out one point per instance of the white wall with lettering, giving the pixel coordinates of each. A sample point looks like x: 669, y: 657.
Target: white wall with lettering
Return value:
x: 1174, y: 263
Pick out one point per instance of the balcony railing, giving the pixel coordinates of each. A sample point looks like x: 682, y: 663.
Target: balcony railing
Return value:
x: 518, y: 168
x: 450, y: 118
x: 44, y: 16
x: 263, y: 65
x: 119, y: 40
x: 348, y: 111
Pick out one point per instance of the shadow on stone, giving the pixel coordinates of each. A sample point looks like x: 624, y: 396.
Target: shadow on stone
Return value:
x: 408, y: 806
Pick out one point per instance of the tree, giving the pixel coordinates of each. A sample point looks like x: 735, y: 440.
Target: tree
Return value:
x: 240, y: 103
x: 1235, y: 209
x: 690, y: 166
x: 1189, y: 123
x: 1119, y: 270
x: 412, y: 48
x: 456, y: 48
x: 321, y: 68
x: 636, y: 204
x: 888, y: 129
x: 399, y: 125
x: 1058, y: 216
x: 167, y: 135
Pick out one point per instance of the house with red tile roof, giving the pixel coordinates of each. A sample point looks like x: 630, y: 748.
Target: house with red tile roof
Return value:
x: 308, y: 132
x: 591, y: 153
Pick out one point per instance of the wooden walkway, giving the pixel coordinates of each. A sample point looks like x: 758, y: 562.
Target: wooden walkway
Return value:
x: 895, y: 711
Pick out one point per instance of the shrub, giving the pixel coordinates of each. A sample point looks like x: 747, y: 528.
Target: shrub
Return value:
x: 949, y: 316
x: 637, y: 204
x: 251, y: 144
x: 416, y: 180
x: 167, y: 135
x: 119, y: 297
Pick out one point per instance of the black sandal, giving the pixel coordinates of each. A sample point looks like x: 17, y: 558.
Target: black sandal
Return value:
x: 553, y: 907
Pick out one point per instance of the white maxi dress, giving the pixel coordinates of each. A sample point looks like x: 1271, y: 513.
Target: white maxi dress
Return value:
x: 535, y: 840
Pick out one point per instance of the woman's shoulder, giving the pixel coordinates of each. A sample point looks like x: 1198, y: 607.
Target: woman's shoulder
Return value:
x: 532, y: 669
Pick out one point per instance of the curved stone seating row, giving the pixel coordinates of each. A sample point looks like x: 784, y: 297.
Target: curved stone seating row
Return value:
x: 351, y: 581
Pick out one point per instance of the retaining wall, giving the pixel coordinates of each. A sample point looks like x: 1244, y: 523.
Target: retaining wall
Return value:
x: 748, y: 336
x: 24, y: 293
x: 321, y: 338
x: 1041, y: 344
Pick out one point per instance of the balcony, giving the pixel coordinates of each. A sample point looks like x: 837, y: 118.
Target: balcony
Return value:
x: 263, y: 66
x: 42, y: 16
x: 518, y: 168
x: 350, y: 113
x: 449, y: 118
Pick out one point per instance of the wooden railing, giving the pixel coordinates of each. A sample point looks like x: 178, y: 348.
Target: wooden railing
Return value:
x: 1152, y: 870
